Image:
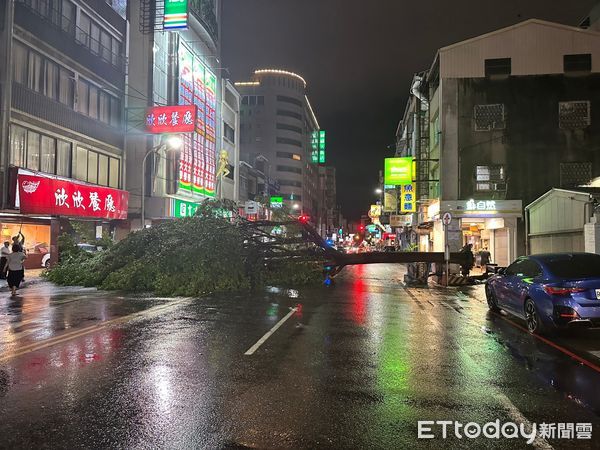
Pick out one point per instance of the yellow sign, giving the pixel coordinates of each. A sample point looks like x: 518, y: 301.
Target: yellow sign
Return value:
x: 375, y: 211
x: 408, y: 198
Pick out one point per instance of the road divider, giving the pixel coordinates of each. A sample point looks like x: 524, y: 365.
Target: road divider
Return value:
x: 269, y: 333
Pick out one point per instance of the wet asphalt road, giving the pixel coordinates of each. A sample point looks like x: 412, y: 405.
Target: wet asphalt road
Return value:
x: 356, y: 366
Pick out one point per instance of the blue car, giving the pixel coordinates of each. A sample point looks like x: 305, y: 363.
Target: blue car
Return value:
x: 549, y: 291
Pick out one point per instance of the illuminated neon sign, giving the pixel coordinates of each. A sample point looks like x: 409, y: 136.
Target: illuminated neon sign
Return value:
x: 398, y: 171
x: 481, y: 205
x: 176, y: 15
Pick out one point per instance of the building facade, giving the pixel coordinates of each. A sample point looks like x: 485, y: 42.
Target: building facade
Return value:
x: 511, y: 114
x: 179, y: 67
x: 279, y: 137
x: 62, y: 136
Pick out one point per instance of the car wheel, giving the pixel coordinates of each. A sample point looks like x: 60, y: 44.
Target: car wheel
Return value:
x: 47, y: 264
x: 492, y: 301
x: 534, y: 323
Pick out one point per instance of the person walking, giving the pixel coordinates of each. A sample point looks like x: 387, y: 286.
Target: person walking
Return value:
x: 4, y: 252
x: 485, y: 257
x: 14, y: 265
x: 470, y: 260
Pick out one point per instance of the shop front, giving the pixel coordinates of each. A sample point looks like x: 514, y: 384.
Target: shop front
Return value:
x: 485, y: 224
x: 43, y: 204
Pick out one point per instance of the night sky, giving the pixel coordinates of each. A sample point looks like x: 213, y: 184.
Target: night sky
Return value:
x: 358, y: 57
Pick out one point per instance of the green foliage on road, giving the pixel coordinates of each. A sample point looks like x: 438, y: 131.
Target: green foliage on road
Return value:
x: 183, y: 257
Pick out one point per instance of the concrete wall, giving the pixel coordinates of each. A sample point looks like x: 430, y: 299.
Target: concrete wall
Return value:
x: 535, y: 47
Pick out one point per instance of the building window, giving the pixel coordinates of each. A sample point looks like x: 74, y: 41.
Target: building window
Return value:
x: 288, y: 155
x: 297, y: 170
x: 33, y: 150
x: 577, y: 63
x: 286, y: 113
x: 489, y: 117
x: 574, y: 115
x: 97, y: 168
x: 97, y: 104
x: 285, y: 126
x: 288, y: 141
x: 497, y: 66
x: 63, y: 159
x: 490, y: 178
x: 48, y: 154
x: 228, y: 132
x: 574, y: 174
x: 285, y: 99
x: 98, y: 40
x: 290, y: 183
x: 18, y: 145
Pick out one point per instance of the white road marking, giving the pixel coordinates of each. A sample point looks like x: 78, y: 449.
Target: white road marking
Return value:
x: 518, y: 417
x: 510, y: 408
x: 268, y: 334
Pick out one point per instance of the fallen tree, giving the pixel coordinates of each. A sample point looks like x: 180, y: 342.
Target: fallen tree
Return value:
x: 196, y: 255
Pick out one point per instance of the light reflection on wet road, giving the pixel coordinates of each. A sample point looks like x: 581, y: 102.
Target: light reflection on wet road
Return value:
x: 356, y: 367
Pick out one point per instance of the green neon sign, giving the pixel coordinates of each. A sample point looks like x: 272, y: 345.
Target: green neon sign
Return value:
x: 276, y: 202
x: 182, y: 208
x: 322, y: 147
x: 314, y: 150
x: 176, y: 15
x: 398, y: 171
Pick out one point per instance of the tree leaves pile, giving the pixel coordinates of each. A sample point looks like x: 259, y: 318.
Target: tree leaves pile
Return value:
x: 183, y: 257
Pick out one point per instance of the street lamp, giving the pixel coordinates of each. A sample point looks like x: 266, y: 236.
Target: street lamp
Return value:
x: 173, y: 142
x: 378, y: 191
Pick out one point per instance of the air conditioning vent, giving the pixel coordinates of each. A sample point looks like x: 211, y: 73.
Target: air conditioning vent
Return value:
x: 574, y: 115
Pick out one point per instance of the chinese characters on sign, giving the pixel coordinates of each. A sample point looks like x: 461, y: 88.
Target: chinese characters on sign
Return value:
x: 408, y: 198
x: 481, y: 205
x: 181, y: 208
x: 171, y: 119
x: 67, y: 198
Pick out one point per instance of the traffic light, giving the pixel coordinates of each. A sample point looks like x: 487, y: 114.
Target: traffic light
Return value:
x: 304, y: 218
x: 361, y: 228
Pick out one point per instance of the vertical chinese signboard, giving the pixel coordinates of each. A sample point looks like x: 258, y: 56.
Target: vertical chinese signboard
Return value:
x: 198, y: 86
x: 408, y: 198
x: 314, y: 147
x: 322, y: 147
x: 176, y: 15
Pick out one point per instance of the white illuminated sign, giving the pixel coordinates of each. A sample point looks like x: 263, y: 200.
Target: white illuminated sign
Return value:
x: 481, y: 205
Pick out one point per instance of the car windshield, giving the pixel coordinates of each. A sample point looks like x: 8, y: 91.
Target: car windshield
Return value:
x: 574, y: 266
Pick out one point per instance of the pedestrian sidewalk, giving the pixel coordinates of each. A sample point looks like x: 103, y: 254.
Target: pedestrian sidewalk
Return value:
x: 32, y: 276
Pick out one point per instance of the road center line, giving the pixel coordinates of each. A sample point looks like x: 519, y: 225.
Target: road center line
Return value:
x: 78, y: 332
x: 268, y: 334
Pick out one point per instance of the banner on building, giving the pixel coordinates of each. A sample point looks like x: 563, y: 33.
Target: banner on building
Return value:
x: 408, y: 198
x: 398, y: 171
x: 176, y: 15
x: 171, y: 119
x: 390, y: 200
x: 401, y: 220
x: 57, y: 197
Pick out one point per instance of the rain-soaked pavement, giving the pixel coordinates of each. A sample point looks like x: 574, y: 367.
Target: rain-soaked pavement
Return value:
x: 356, y: 365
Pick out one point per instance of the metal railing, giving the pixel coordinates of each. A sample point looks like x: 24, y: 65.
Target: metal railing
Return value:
x: 65, y: 25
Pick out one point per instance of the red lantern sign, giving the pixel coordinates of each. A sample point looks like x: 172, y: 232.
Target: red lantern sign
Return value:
x: 41, y: 195
x: 171, y: 119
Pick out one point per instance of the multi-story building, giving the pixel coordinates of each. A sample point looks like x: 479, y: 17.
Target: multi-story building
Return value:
x: 62, y: 88
x: 279, y: 127
x: 230, y: 143
x: 179, y: 67
x: 510, y: 116
x: 330, y: 213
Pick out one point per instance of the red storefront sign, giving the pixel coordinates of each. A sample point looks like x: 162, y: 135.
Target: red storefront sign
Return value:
x: 41, y: 195
x: 171, y: 119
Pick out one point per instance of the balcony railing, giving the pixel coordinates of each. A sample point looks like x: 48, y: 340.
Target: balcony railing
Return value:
x: 204, y: 11
x: 66, y: 25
